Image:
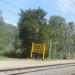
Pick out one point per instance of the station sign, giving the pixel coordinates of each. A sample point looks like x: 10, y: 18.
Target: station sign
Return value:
x: 38, y: 48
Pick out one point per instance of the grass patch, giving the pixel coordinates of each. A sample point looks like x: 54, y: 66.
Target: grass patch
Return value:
x: 4, y: 58
x: 2, y: 55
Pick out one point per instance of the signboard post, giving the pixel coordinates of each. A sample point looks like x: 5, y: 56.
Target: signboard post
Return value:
x: 38, y: 48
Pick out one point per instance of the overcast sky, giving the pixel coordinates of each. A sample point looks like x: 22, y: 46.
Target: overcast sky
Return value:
x: 11, y: 8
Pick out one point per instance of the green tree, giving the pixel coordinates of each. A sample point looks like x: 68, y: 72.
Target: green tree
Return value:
x: 7, y: 35
x: 64, y: 33
x: 31, y: 28
x: 1, y: 29
x: 57, y: 24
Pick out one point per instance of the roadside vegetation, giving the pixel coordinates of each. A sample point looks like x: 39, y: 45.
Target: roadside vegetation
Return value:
x: 33, y: 26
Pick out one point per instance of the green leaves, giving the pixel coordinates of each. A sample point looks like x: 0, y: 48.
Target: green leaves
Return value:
x: 32, y: 27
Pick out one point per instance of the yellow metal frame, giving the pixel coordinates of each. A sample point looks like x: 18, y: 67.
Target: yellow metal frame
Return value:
x: 41, y: 49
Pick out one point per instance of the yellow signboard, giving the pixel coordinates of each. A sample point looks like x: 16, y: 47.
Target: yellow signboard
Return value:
x: 39, y: 48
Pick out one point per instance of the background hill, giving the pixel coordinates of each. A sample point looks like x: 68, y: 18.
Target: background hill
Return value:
x: 7, y: 36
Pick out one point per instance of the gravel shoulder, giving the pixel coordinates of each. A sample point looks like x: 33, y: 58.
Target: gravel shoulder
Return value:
x: 19, y: 63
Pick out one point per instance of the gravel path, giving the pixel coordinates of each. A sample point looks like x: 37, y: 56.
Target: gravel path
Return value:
x: 17, y: 63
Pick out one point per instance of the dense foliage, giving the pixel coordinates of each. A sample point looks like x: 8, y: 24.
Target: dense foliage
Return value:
x: 7, y: 36
x: 57, y: 33
x: 32, y: 27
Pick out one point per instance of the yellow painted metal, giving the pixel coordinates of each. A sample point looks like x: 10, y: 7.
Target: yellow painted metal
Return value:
x: 44, y: 51
x: 39, y: 48
x: 32, y: 49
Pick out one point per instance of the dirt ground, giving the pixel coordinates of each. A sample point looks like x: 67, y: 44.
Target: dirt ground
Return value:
x: 19, y: 63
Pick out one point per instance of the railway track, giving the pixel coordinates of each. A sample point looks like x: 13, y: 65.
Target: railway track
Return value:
x: 58, y: 69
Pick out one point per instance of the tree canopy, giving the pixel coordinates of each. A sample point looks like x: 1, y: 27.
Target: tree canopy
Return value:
x: 34, y: 27
x: 7, y: 35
